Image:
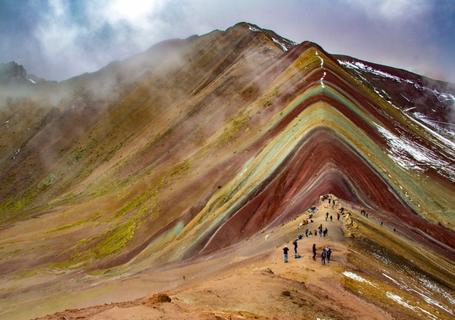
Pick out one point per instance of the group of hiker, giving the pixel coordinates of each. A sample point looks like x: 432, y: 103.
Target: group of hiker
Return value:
x: 329, y: 199
x: 326, y: 252
x: 320, y: 230
x: 331, y: 217
x: 325, y: 255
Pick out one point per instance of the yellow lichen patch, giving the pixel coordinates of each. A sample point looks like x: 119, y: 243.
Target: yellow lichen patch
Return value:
x: 115, y: 240
x: 371, y: 231
x: 67, y: 226
x: 388, y: 297
x: 238, y: 123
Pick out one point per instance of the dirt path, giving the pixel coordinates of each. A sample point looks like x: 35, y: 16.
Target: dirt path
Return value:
x: 258, y: 284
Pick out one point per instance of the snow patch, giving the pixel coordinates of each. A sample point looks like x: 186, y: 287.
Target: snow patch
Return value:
x: 381, y: 257
x: 31, y: 80
x: 322, y: 79
x: 281, y: 44
x: 320, y: 58
x: 321, y: 65
x: 385, y: 96
x: 406, y: 98
x: 411, y: 155
x: 434, y: 302
x: 441, y: 96
x: 359, y: 66
x: 435, y: 125
x: 398, y: 300
x: 445, y: 142
x: 254, y: 29
x: 363, y: 67
x: 426, y: 298
x: 446, y: 97
x: 435, y: 288
x: 403, y: 302
x: 356, y: 277
x: 392, y: 279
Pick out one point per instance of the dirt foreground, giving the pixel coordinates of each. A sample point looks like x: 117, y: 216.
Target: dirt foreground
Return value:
x: 251, y: 281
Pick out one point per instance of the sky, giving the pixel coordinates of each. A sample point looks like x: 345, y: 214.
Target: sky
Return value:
x: 57, y: 39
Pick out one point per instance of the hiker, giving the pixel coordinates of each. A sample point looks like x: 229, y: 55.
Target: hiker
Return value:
x: 320, y: 232
x: 325, y: 232
x: 306, y: 233
x: 323, y: 256
x: 331, y: 218
x: 329, y: 253
x: 314, y: 251
x: 382, y: 223
x: 295, y: 243
x: 338, y: 216
x: 362, y: 212
x: 342, y: 210
x: 310, y: 233
x: 315, y: 232
x: 326, y: 216
x: 285, y: 254
x: 333, y: 204
x: 329, y: 200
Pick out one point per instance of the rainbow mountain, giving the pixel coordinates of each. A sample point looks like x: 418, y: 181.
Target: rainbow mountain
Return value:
x: 203, y: 155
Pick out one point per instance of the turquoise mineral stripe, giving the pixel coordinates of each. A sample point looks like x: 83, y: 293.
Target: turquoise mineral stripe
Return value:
x: 244, y: 185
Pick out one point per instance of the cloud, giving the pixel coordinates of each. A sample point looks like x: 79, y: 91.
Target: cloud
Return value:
x: 100, y: 32
x: 67, y: 38
x: 392, y: 9
x: 60, y: 41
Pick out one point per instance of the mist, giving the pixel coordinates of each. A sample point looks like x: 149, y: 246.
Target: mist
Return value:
x: 58, y: 39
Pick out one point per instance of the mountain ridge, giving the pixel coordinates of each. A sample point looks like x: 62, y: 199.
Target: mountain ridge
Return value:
x: 271, y: 33
x: 224, y: 138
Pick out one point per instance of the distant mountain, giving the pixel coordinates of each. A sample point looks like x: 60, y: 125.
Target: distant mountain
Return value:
x: 12, y: 73
x: 196, y: 146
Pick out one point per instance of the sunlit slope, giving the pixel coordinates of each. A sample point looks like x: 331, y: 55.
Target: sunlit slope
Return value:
x: 328, y: 142
x: 238, y: 136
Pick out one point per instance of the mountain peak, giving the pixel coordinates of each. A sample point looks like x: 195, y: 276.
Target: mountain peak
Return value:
x: 245, y: 25
x: 281, y: 42
x: 13, y: 73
